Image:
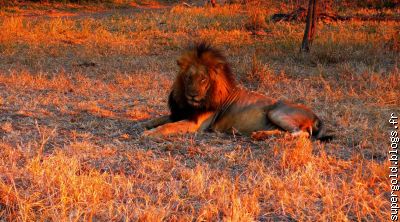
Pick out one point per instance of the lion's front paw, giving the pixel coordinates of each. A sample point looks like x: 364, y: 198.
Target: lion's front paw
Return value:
x: 149, y: 133
x: 153, y: 133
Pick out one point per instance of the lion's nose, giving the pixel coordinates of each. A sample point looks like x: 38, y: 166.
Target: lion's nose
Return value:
x: 193, y: 94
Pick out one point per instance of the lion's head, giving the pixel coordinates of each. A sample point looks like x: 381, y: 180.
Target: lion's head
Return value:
x: 203, y: 83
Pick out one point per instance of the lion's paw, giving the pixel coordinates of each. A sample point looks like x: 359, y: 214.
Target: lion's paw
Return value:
x: 300, y: 134
x: 153, y: 133
x: 265, y: 134
x: 148, y: 133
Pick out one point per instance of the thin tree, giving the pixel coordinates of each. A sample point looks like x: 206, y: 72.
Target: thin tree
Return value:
x: 309, y: 32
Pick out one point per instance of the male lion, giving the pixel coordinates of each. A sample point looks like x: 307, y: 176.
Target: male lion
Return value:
x: 205, y: 96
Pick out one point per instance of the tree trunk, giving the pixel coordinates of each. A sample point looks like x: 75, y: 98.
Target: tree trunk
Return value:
x: 213, y: 3
x: 309, y: 32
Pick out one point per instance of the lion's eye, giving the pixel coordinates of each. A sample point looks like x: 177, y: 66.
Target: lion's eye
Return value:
x: 203, y: 80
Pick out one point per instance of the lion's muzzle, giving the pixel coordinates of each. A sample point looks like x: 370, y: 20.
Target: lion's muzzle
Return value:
x: 193, y: 100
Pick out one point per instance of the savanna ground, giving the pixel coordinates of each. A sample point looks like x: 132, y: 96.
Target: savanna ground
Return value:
x: 72, y: 88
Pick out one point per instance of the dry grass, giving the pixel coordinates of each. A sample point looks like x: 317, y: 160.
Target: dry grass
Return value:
x: 72, y: 88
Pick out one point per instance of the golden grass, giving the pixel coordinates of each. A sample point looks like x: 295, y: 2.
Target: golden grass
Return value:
x: 72, y: 88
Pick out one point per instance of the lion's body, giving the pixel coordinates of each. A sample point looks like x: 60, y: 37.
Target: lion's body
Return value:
x: 245, y: 113
x: 205, y: 96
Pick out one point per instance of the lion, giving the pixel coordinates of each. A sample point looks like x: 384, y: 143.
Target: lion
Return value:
x: 205, y: 96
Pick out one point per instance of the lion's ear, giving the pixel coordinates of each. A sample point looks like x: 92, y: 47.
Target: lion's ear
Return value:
x: 219, y: 66
x: 183, y: 61
x: 179, y: 62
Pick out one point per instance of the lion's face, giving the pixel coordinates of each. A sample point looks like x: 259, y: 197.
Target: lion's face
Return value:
x: 203, y: 83
x: 197, y: 83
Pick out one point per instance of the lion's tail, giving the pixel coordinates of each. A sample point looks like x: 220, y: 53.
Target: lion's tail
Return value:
x: 319, y: 132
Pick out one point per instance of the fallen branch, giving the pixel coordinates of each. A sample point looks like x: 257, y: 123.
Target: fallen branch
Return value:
x: 300, y: 14
x: 297, y: 15
x: 186, y: 4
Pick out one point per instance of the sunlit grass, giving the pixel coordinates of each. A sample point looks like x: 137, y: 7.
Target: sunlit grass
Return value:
x: 72, y: 88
